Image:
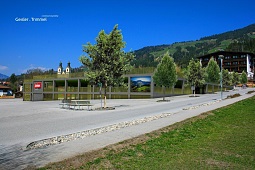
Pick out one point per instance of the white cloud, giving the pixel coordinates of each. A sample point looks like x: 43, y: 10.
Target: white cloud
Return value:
x: 3, y: 68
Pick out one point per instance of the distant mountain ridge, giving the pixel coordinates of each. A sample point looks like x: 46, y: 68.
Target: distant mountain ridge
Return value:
x: 242, y: 39
x: 235, y: 34
x: 2, y: 76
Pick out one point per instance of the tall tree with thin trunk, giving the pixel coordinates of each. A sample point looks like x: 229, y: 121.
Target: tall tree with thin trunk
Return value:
x: 236, y: 78
x: 212, y: 72
x: 195, y: 75
x: 244, y: 79
x: 165, y: 75
x: 227, y: 78
x: 13, y: 79
x: 106, y: 60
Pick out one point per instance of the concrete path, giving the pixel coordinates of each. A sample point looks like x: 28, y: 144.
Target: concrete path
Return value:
x: 24, y: 122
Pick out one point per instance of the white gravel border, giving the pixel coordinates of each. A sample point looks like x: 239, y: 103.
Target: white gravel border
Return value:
x: 86, y: 133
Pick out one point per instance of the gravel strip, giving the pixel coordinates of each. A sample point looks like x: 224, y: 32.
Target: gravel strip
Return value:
x: 204, y: 104
x: 83, y: 134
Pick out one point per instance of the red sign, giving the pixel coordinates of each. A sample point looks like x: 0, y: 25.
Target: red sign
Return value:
x: 38, y: 85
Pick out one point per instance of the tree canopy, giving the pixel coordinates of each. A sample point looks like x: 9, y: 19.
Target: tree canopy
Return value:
x: 212, y: 71
x: 195, y: 74
x: 236, y: 78
x: 243, y: 78
x: 13, y: 80
x: 226, y: 78
x: 165, y: 74
x: 106, y: 61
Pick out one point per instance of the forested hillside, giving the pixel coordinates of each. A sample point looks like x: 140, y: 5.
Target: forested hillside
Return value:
x: 238, y: 40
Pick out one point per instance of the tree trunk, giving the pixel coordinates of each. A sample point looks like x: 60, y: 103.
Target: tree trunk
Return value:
x: 194, y: 94
x: 105, y: 101
x: 164, y: 92
x: 105, y: 88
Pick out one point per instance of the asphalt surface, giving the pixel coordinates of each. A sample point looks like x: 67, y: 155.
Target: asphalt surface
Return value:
x: 22, y: 122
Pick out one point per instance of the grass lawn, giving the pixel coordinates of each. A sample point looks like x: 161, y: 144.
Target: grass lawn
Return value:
x: 220, y: 139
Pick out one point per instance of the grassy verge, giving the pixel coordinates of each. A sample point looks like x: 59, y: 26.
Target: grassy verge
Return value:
x: 221, y: 139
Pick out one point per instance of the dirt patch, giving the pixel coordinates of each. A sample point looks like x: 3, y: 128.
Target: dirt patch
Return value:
x: 233, y: 96
x: 163, y: 101
x: 250, y: 92
x: 80, y: 160
x: 218, y: 164
x: 107, y: 108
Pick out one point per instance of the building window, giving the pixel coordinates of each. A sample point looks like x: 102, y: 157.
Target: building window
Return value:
x: 243, y: 56
x: 227, y: 57
x: 227, y: 63
x: 242, y: 69
x: 235, y: 63
x: 235, y: 56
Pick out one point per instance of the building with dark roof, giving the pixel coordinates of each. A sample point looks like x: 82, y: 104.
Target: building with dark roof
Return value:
x: 233, y: 61
x: 5, y: 91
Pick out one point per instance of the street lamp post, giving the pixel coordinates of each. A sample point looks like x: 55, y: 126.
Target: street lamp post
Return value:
x: 221, y: 59
x: 253, y: 76
x: 100, y: 85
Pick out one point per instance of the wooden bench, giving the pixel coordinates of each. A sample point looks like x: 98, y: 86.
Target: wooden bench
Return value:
x: 65, y: 104
x: 78, y: 104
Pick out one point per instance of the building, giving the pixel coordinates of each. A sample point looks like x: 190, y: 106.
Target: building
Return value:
x: 233, y: 61
x: 5, y: 91
x: 68, y: 85
x: 76, y: 87
x: 61, y: 71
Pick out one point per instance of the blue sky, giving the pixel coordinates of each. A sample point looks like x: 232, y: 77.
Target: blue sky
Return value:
x: 26, y: 45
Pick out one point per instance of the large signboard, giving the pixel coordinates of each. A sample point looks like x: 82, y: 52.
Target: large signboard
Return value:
x: 141, y: 84
x: 38, y: 91
x: 37, y: 85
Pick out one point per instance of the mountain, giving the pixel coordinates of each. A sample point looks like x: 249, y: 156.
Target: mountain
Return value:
x: 237, y: 40
x: 2, y: 76
x: 141, y: 83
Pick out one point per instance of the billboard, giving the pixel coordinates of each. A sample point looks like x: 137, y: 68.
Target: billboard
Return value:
x: 140, y: 84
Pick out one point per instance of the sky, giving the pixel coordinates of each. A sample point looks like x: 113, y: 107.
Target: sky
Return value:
x: 66, y: 25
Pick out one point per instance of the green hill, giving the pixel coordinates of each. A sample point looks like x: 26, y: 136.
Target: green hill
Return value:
x: 237, y: 40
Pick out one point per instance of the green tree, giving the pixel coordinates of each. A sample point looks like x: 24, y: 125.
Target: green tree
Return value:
x: 243, y: 78
x: 106, y: 60
x: 236, y: 78
x: 212, y: 72
x: 13, y: 80
x: 165, y: 74
x: 226, y: 78
x: 195, y: 74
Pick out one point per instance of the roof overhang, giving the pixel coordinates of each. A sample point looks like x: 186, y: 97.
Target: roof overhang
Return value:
x: 226, y: 53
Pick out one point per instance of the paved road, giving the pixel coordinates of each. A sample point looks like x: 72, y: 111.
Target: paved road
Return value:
x: 24, y: 122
